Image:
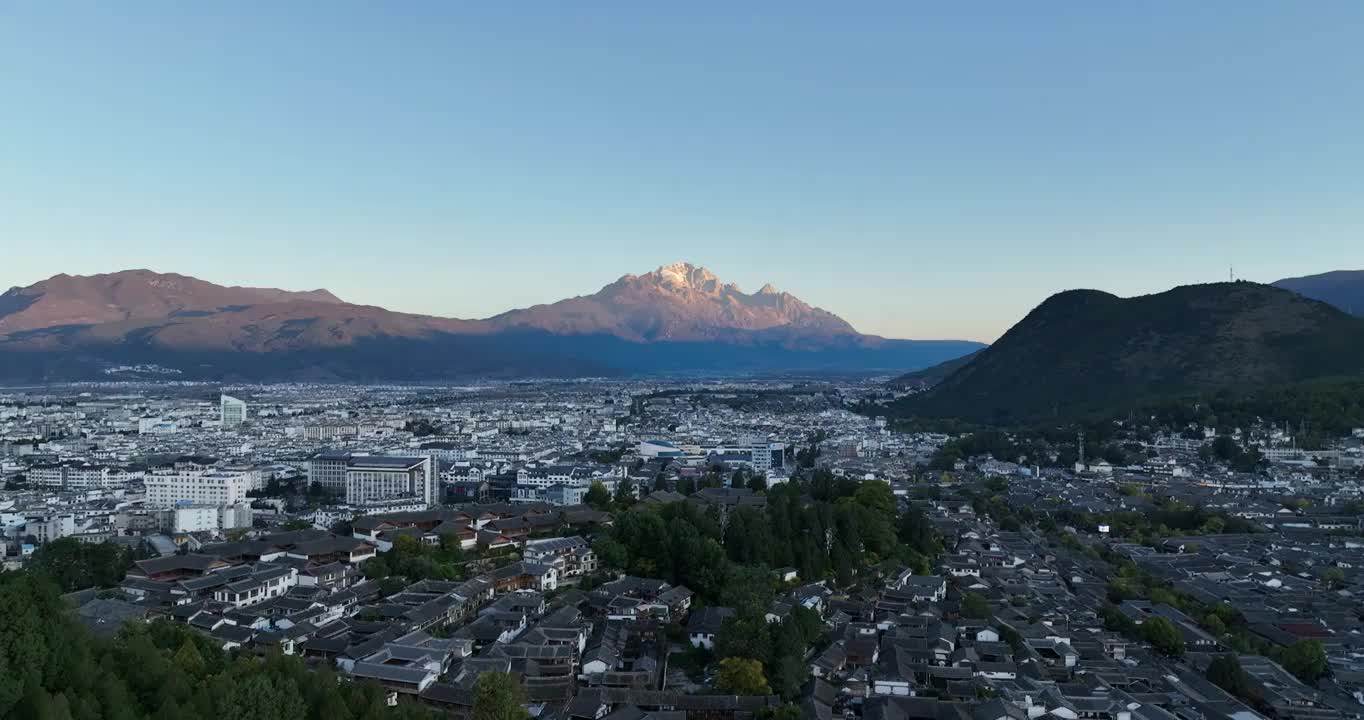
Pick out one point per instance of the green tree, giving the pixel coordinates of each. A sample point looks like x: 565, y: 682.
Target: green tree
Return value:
x: 262, y: 697
x: 625, y: 494
x: 1225, y: 671
x: 975, y: 606
x: 1306, y: 659
x: 919, y: 533
x: 1334, y: 578
x: 75, y: 565
x: 877, y: 496
x: 498, y: 696
x: 188, y: 660
x: 783, y: 712
x: 598, y: 496
x: 1163, y: 636
x: 611, y: 553
x: 741, y: 676
x: 788, y: 669
x: 746, y: 635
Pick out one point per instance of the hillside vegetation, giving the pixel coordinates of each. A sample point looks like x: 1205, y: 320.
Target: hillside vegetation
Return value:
x: 1086, y: 353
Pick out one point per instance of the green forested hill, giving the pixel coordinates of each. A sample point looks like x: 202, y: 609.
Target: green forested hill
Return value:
x: 1084, y: 352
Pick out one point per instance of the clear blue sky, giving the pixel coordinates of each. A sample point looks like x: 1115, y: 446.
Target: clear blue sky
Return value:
x: 923, y: 169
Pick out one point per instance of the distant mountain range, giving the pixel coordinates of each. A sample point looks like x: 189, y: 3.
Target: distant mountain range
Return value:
x: 1342, y: 288
x: 676, y: 319
x: 1085, y: 352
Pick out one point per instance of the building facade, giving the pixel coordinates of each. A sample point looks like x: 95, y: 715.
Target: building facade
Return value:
x: 211, y: 487
x: 232, y: 411
x: 371, y: 478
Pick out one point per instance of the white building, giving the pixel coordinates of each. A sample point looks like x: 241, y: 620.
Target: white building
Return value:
x: 192, y: 518
x: 156, y: 426
x: 371, y: 478
x: 51, y: 527
x: 74, y: 476
x: 232, y: 411
x: 212, y: 487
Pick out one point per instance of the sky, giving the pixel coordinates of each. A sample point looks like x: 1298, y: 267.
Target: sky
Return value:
x: 925, y: 170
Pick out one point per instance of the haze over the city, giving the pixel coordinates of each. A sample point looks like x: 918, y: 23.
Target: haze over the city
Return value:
x: 922, y: 172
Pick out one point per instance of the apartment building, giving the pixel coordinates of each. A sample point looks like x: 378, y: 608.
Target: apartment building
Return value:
x: 208, y: 487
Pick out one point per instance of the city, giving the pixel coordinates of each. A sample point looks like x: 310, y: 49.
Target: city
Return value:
x: 649, y: 544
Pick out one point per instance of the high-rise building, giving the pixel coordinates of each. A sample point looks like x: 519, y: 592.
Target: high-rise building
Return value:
x: 232, y: 410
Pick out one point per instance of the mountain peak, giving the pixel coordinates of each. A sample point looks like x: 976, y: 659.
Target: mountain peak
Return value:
x: 686, y: 276
x: 685, y: 302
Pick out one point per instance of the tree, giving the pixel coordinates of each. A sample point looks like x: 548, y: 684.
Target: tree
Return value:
x: 598, y: 496
x: 757, y: 482
x: 876, y: 495
x: 625, y: 494
x: 188, y: 660
x: 918, y: 532
x: 263, y: 697
x: 498, y: 696
x: 741, y: 676
x: 788, y: 669
x: 784, y: 712
x: 611, y: 553
x: 74, y: 565
x: 1334, y: 578
x: 975, y: 606
x: 745, y: 635
x: 1163, y: 636
x: 1225, y: 671
x: 1306, y: 659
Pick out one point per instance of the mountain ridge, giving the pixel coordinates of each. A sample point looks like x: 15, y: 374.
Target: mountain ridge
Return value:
x: 128, y: 294
x: 678, y: 318
x: 1342, y: 288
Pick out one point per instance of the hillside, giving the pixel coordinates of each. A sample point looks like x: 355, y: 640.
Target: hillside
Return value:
x: 1084, y: 351
x: 677, y: 319
x: 930, y: 376
x: 1341, y: 288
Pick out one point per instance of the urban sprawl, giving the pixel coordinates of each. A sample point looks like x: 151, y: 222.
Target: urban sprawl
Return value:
x: 627, y: 550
